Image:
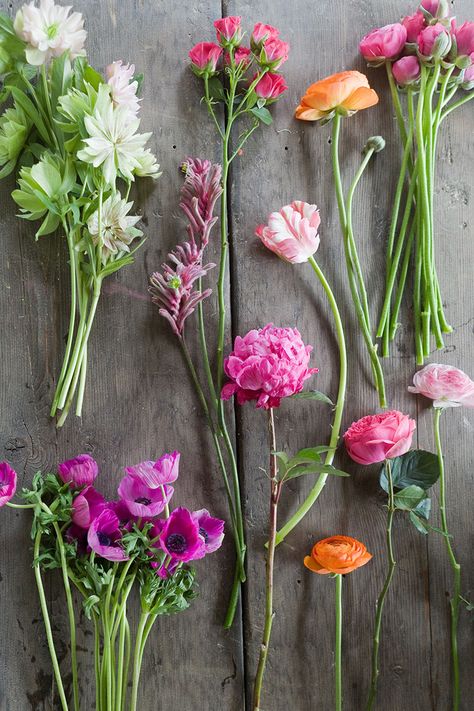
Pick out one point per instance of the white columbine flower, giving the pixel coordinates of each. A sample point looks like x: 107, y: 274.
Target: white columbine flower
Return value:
x: 123, y: 87
x: 117, y: 226
x: 49, y: 31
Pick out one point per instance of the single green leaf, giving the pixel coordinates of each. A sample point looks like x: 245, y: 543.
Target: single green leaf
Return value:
x: 418, y: 523
x: 22, y: 100
x: 415, y: 467
x: 313, y: 395
x: 262, y: 114
x: 314, y: 468
x: 409, y: 498
x: 424, y: 508
x: 216, y: 90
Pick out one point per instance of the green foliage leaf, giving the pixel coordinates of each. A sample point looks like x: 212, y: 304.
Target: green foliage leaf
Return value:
x: 313, y: 395
x: 314, y: 468
x: 25, y: 103
x: 262, y: 114
x: 216, y: 89
x: 418, y: 523
x: 409, y: 498
x: 416, y: 467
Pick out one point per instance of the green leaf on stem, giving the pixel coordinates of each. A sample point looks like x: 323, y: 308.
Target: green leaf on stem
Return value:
x: 409, y: 498
x: 416, y: 467
x: 418, y: 523
x: 313, y: 468
x: 262, y: 114
x: 313, y: 395
x: 216, y: 89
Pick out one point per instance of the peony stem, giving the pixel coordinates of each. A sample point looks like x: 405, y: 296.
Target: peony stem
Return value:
x: 381, y: 600
x: 336, y: 425
x: 456, y: 598
x: 338, y: 646
x: 275, y: 492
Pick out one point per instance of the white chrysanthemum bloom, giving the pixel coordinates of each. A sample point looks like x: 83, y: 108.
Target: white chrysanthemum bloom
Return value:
x: 49, y: 31
x: 117, y: 226
x: 123, y: 87
x: 113, y: 141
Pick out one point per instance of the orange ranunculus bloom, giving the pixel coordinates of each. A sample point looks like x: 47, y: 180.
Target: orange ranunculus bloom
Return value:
x: 337, y: 554
x: 347, y: 91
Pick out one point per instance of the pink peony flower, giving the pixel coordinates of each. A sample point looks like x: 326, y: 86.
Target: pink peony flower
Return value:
x: 434, y: 41
x: 79, y: 472
x: 262, y: 33
x: 445, y: 385
x: 292, y: 233
x: 211, y: 530
x: 413, y: 25
x: 383, y: 43
x: 267, y: 365
x: 273, y: 54
x: 8, y: 481
x: 180, y: 537
x: 228, y: 31
x: 86, y: 506
x: 464, y: 36
x: 406, y: 70
x: 270, y: 86
x: 141, y: 499
x: 204, y: 57
x: 104, y: 537
x: 375, y: 438
x: 120, y: 78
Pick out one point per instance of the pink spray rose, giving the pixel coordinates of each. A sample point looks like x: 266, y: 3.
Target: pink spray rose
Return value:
x: 262, y: 33
x: 79, y: 472
x: 292, y: 232
x: 464, y: 36
x: 383, y: 43
x: 270, y: 86
x: 8, y: 479
x: 273, y: 54
x: 434, y: 41
x: 242, y: 55
x: 445, y: 385
x: 228, y: 31
x: 413, y: 25
x: 267, y: 365
x: 204, y: 57
x: 375, y: 438
x: 406, y: 70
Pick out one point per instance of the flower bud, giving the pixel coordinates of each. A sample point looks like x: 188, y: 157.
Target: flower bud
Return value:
x: 406, y: 70
x: 463, y: 40
x: 79, y: 472
x: 273, y: 53
x: 374, y: 143
x: 434, y: 42
x: 262, y: 33
x: 229, y: 31
x: 413, y: 25
x: 270, y: 87
x: 204, y: 57
x: 383, y: 43
x: 435, y: 9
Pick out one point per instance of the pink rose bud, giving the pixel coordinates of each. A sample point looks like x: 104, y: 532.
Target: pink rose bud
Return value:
x: 406, y: 70
x: 79, y: 472
x: 436, y: 8
x: 375, y: 438
x: 273, y: 54
x: 413, y: 25
x: 270, y: 86
x: 434, y: 41
x: 242, y: 55
x: 8, y: 480
x: 262, y: 33
x: 228, y: 31
x: 292, y: 232
x: 383, y: 43
x: 204, y: 57
x: 445, y: 385
x: 464, y: 39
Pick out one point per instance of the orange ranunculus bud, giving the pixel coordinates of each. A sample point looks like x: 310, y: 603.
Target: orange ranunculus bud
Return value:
x: 346, y: 92
x: 337, y: 554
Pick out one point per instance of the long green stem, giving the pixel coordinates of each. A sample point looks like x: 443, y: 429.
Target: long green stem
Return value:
x: 275, y: 491
x: 338, y: 647
x: 336, y: 425
x: 456, y: 105
x: 396, y: 102
x: 98, y: 691
x: 137, y: 660
x: 456, y: 598
x: 388, y: 580
x: 402, y: 281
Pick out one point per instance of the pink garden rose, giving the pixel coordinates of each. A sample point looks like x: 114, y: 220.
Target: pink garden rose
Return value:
x: 292, y: 232
x: 413, y: 25
x: 205, y: 57
x: 445, y: 385
x: 274, y: 53
x: 8, y: 480
x: 383, y: 43
x: 464, y: 36
x: 228, y: 31
x: 267, y: 365
x: 375, y: 438
x: 262, y: 33
x: 270, y: 86
x: 434, y: 41
x: 406, y: 70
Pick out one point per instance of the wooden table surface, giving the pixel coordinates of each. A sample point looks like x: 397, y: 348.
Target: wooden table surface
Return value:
x: 140, y: 403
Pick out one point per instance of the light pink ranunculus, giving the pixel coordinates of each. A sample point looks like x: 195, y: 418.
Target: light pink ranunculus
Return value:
x: 413, y: 25
x: 375, y: 438
x: 434, y: 41
x: 445, y: 385
x: 267, y: 365
x: 262, y: 33
x: 464, y: 36
x: 270, y: 86
x: 406, y: 70
x: 292, y: 232
x: 273, y: 54
x: 383, y: 43
x: 205, y: 57
x: 228, y: 30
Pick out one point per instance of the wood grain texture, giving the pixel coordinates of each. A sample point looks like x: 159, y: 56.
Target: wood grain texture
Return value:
x: 139, y: 402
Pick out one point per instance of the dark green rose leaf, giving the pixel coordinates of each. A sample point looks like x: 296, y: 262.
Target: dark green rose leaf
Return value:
x: 409, y: 498
x: 262, y: 114
x: 416, y: 467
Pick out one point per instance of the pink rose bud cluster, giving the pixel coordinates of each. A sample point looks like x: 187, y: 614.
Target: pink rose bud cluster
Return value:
x: 374, y: 438
x: 266, y: 54
x: 445, y: 385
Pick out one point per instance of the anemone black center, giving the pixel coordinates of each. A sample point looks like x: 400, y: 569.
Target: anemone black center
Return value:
x: 176, y: 543
x: 104, y: 539
x: 143, y: 500
x: 203, y: 533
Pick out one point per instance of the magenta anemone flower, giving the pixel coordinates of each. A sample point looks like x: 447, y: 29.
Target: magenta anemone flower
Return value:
x: 8, y: 479
x: 78, y: 472
x: 210, y: 529
x: 154, y: 474
x: 78, y: 535
x: 165, y: 571
x: 180, y: 536
x: 141, y: 499
x: 86, y: 506
x: 104, y: 537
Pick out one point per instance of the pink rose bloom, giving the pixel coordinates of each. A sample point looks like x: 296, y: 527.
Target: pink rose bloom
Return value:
x: 406, y: 70
x: 267, y: 365
x: 413, y: 25
x: 434, y: 41
x: 464, y: 36
x: 228, y: 31
x: 205, y: 57
x: 242, y: 55
x: 375, y: 438
x: 270, y: 86
x: 274, y: 53
x: 8, y: 480
x: 445, y: 385
x: 123, y: 87
x: 79, y: 472
x: 383, y: 43
x: 262, y: 33
x: 292, y: 233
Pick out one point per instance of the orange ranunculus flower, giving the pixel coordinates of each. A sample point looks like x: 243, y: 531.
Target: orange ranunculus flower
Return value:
x: 347, y: 91
x: 337, y: 554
